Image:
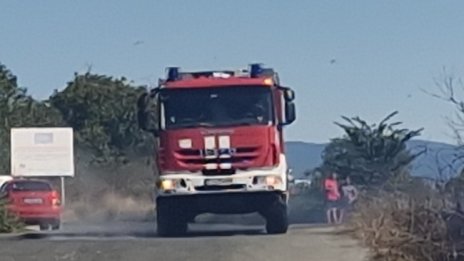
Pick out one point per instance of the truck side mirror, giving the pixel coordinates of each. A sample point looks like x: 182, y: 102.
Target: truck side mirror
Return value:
x: 289, y: 95
x: 290, y: 113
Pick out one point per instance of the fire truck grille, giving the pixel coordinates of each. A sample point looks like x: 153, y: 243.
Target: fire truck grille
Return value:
x: 213, y: 188
x: 236, y: 158
x: 216, y: 172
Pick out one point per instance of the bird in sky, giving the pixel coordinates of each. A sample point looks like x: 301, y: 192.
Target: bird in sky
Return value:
x: 139, y: 42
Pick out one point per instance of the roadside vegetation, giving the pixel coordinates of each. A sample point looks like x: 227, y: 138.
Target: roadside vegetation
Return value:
x: 398, y: 216
x: 374, y: 156
x: 8, y: 222
x: 113, y: 157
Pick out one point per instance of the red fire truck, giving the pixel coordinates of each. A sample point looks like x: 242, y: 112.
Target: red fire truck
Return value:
x: 219, y: 145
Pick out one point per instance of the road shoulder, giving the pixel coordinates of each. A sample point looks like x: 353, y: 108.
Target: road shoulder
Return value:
x: 330, y: 243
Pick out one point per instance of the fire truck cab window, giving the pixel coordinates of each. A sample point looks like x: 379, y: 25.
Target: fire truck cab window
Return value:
x: 220, y: 106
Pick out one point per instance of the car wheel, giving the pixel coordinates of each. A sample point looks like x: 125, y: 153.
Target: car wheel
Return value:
x: 56, y: 224
x: 44, y: 226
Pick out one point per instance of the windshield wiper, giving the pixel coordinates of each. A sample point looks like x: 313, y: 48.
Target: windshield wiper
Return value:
x: 243, y: 122
x: 192, y: 125
x: 246, y: 122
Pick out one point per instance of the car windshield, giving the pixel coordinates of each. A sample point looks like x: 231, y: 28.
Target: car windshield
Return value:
x: 219, y: 106
x: 31, y: 186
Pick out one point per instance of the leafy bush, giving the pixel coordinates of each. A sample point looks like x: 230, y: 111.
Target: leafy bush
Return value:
x: 371, y: 154
x: 8, y: 222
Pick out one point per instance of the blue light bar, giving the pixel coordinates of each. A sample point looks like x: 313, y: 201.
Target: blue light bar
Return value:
x: 255, y: 70
x: 173, y: 73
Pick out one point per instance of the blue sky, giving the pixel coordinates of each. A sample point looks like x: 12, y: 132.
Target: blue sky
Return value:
x: 385, y: 51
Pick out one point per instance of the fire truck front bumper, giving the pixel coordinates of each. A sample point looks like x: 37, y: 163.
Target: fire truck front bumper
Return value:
x: 191, y: 184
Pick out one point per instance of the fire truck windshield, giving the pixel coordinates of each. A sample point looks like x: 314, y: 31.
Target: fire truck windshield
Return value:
x: 218, y: 106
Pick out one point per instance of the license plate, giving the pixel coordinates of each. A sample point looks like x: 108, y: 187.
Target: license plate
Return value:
x: 218, y: 182
x: 33, y: 201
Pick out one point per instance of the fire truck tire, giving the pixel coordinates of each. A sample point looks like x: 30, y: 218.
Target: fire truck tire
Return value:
x: 169, y: 221
x: 277, y: 217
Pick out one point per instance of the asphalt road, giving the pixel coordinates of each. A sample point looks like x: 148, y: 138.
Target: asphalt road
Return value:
x: 137, y: 241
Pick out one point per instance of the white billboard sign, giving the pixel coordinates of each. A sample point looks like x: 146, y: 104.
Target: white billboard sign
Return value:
x: 44, y: 152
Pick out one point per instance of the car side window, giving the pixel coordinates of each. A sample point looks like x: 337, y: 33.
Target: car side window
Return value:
x: 9, y: 186
x: 3, y: 190
x: 3, y: 187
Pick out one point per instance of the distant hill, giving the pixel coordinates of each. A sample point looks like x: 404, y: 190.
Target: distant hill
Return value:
x: 303, y: 156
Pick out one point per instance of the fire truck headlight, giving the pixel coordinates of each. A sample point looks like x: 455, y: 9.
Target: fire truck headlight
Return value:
x: 168, y: 184
x: 171, y: 184
x: 271, y: 180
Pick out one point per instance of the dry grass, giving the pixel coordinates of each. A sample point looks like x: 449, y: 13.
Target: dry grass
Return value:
x: 403, y: 226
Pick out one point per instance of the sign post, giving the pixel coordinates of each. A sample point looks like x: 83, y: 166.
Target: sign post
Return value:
x: 62, y: 191
x: 43, y: 152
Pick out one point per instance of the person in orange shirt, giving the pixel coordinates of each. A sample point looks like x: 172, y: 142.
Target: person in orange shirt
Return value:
x: 332, y: 194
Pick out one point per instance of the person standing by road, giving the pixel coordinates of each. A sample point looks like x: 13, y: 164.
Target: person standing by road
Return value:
x: 333, y: 196
x: 350, y: 194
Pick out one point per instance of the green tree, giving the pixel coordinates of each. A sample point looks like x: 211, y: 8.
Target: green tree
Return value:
x: 102, y: 112
x: 371, y: 154
x: 18, y: 109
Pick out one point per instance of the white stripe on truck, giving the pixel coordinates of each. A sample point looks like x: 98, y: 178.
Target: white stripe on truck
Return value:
x: 224, y: 143
x: 225, y: 165
x: 210, y: 144
x: 211, y: 166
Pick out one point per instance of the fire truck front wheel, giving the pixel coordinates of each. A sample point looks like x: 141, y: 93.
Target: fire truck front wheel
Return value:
x: 276, y: 216
x: 169, y: 220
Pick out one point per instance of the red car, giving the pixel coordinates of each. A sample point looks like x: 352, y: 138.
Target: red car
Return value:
x: 35, y: 202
